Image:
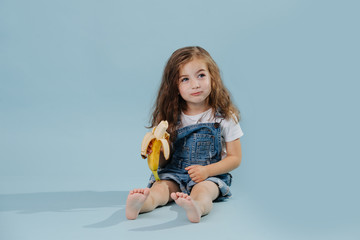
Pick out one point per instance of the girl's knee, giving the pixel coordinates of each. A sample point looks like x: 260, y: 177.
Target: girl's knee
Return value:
x: 205, y: 186
x: 165, y: 187
x: 208, y: 188
x: 159, y: 186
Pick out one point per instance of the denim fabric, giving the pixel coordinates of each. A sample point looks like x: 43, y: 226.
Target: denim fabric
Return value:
x: 198, y: 144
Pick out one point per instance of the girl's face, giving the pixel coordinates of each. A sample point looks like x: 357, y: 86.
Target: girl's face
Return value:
x: 195, y: 84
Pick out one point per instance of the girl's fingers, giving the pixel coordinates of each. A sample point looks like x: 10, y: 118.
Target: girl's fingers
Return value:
x: 190, y: 167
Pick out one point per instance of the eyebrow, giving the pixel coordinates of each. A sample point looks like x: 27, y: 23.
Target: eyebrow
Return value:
x: 200, y: 70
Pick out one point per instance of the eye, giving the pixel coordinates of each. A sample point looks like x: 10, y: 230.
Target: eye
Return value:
x: 201, y: 75
x: 184, y: 79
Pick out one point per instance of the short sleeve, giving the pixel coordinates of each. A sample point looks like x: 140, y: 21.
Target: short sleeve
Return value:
x: 231, y: 130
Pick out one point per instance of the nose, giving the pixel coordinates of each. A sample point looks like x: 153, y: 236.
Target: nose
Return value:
x: 194, y: 83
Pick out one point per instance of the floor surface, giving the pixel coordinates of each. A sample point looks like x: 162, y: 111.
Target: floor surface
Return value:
x: 101, y: 215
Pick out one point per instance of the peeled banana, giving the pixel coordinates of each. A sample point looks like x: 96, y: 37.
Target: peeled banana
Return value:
x: 159, y: 138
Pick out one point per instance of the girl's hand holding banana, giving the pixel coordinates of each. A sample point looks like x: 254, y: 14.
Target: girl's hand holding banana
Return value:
x: 156, y: 140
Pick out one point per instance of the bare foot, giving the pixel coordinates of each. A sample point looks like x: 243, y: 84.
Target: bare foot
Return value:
x: 134, y: 202
x: 192, y: 209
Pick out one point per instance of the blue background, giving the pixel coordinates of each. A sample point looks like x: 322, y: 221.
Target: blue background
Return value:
x: 77, y: 83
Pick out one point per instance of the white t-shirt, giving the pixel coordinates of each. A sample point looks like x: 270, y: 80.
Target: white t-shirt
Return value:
x: 230, y: 130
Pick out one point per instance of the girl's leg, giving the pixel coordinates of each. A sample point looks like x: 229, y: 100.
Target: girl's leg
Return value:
x: 146, y: 200
x: 200, y: 201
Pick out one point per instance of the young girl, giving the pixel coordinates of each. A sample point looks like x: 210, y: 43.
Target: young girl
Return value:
x: 204, y: 135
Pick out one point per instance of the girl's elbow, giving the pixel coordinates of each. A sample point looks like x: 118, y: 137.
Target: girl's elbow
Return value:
x: 237, y: 162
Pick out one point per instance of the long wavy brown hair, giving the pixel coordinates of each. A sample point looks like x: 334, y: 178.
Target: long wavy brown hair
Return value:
x: 169, y: 103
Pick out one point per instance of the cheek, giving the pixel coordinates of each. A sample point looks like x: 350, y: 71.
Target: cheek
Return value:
x: 181, y: 90
x: 208, y: 85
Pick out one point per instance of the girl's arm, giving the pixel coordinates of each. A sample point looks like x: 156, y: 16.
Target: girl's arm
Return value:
x: 230, y: 162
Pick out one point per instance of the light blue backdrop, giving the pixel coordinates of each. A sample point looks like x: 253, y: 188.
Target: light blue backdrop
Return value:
x: 78, y: 80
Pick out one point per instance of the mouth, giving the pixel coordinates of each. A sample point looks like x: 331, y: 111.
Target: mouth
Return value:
x: 195, y: 94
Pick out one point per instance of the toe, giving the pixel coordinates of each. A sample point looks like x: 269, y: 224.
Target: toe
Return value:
x: 147, y: 191
x: 185, y: 195
x: 174, y: 196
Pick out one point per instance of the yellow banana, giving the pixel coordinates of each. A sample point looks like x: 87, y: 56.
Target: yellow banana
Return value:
x: 158, y: 137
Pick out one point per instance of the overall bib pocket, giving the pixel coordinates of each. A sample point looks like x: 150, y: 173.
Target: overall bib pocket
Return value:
x: 205, y: 147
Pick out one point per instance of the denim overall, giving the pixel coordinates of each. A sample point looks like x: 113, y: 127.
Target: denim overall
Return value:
x: 198, y: 144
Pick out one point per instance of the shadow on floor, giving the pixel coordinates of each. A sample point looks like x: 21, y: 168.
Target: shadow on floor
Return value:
x: 180, y: 220
x: 119, y: 216
x: 114, y: 219
x: 31, y: 203
x: 28, y: 203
